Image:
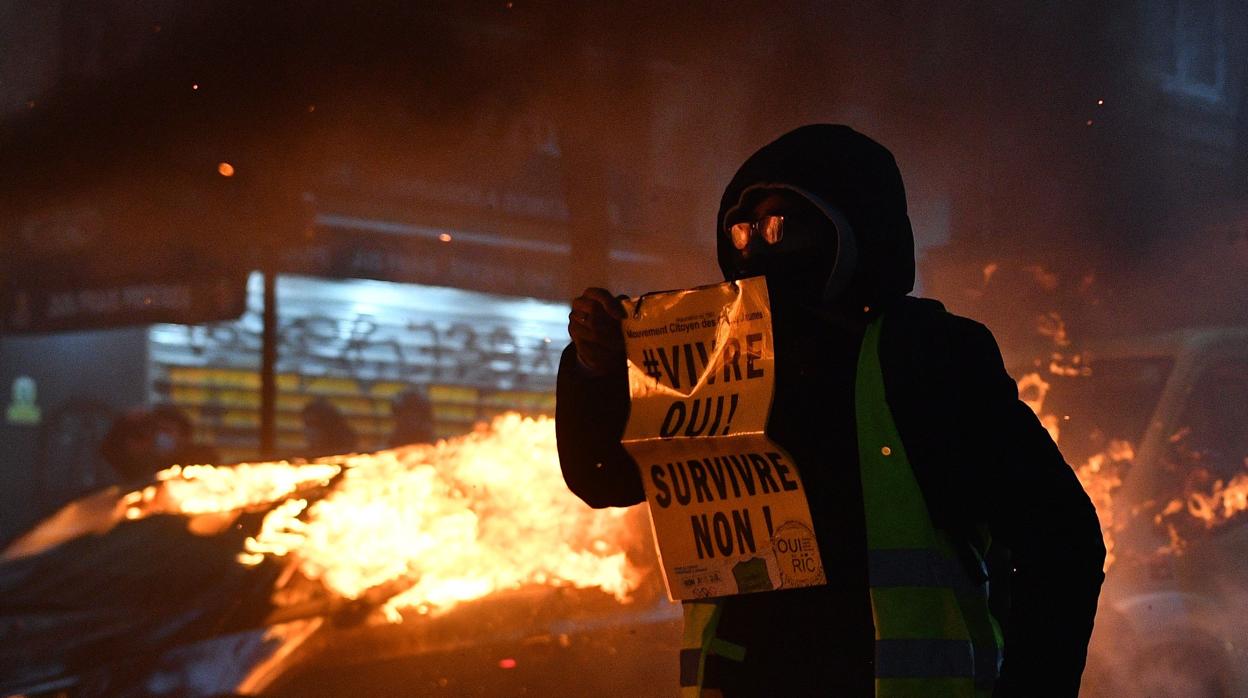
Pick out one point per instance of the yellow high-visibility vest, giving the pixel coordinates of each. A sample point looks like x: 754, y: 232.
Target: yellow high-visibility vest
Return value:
x: 934, y: 635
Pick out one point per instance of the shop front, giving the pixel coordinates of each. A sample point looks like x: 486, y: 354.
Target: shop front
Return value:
x: 370, y: 351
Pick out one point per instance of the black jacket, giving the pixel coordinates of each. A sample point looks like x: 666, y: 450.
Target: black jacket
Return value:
x: 980, y: 456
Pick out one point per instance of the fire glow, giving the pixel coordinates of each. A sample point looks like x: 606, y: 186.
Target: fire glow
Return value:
x: 1101, y: 475
x: 1223, y: 502
x: 447, y: 522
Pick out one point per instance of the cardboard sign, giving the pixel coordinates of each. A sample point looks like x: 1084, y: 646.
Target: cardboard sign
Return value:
x: 729, y: 512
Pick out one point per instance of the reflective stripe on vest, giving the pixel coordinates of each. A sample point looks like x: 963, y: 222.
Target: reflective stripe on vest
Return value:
x: 934, y: 635
x: 699, y: 641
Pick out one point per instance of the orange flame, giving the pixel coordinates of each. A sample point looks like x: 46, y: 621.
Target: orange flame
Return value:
x: 1053, y: 326
x: 449, y: 522
x: 1222, y: 503
x: 1032, y: 389
x: 207, y: 489
x: 1101, y: 475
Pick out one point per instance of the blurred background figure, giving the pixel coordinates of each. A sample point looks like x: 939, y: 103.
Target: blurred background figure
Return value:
x: 174, y: 438
x: 413, y: 419
x: 130, y: 447
x: 326, y: 431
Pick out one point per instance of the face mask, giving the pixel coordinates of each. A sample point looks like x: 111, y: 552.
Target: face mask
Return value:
x: 802, y: 245
x: 797, y: 273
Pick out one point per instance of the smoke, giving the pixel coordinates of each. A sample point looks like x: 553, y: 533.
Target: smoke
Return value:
x: 1174, y: 645
x: 632, y: 114
x: 1052, y: 143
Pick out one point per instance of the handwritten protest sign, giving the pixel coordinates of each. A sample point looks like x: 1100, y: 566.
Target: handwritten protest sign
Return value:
x: 729, y: 512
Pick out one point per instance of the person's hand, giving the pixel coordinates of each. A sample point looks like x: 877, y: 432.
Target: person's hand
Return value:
x: 594, y: 325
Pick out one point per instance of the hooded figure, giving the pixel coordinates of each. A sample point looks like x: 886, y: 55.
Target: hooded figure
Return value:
x: 821, y: 213
x: 846, y: 178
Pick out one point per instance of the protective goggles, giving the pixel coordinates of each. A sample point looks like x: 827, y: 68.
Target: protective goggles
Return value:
x: 769, y: 228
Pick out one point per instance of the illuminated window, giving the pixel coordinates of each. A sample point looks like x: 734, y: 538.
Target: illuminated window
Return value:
x: 1192, y: 44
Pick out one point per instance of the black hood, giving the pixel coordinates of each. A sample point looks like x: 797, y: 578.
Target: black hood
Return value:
x: 852, y: 173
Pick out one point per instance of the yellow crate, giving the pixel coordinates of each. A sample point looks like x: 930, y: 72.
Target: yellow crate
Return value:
x: 519, y: 399
x: 240, y: 420
x: 331, y: 385
x: 387, y: 390
x: 453, y: 394
x: 291, y: 402
x: 289, y: 422
x: 187, y: 395
x: 233, y: 378
x: 188, y: 375
x: 454, y: 412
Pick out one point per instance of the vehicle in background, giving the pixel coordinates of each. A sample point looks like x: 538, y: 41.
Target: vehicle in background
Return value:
x: 1173, y: 618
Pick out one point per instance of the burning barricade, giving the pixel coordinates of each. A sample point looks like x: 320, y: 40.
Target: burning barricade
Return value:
x: 366, y: 539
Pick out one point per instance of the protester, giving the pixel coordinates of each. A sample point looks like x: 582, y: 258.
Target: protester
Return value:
x: 821, y: 214
x: 327, y: 432
x: 175, y: 438
x: 413, y: 419
x: 130, y: 447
